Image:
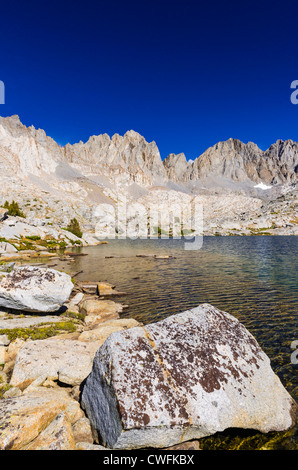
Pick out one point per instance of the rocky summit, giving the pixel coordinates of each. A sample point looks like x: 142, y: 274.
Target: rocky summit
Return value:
x: 244, y: 190
x: 188, y: 376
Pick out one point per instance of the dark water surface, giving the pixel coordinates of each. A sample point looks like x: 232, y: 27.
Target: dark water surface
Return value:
x: 253, y: 278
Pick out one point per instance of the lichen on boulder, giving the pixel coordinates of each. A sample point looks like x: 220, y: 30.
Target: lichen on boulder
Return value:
x: 188, y: 376
x: 34, y: 289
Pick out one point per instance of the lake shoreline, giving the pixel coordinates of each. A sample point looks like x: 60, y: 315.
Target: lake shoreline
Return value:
x: 164, y: 271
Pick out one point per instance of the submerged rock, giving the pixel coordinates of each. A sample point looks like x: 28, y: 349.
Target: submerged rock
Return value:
x: 185, y: 377
x: 35, y: 289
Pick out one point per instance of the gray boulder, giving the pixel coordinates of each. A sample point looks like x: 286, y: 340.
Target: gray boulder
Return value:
x: 57, y: 359
x: 6, y: 247
x: 185, y: 377
x: 34, y: 289
x: 3, y: 213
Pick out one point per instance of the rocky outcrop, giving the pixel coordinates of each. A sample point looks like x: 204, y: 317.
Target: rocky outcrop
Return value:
x: 185, y: 377
x: 6, y: 247
x: 98, y: 311
x: 34, y: 289
x: 3, y: 214
x: 57, y: 436
x: 26, y: 150
x: 40, y: 379
x: 25, y: 418
x: 177, y: 167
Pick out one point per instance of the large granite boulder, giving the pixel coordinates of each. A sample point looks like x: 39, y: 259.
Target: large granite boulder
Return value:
x: 34, y: 289
x: 185, y: 377
x: 6, y: 247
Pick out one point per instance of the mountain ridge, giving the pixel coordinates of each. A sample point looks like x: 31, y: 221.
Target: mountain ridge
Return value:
x: 137, y: 160
x: 241, y: 187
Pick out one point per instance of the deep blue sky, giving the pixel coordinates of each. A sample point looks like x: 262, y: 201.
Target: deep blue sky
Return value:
x: 186, y: 74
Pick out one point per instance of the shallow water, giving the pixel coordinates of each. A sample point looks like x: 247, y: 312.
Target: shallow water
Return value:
x: 253, y: 278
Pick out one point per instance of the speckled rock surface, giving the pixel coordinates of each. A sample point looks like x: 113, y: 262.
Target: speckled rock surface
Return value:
x: 185, y: 377
x: 35, y: 289
x: 23, y: 418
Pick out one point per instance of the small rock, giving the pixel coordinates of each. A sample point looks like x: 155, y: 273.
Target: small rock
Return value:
x: 190, y: 445
x: 75, y: 392
x: 82, y: 431
x: 4, y: 341
x: 68, y: 361
x: 6, y: 247
x: 105, y: 285
x: 8, y: 367
x: 87, y: 287
x: 3, y: 213
x: 40, y: 248
x: 88, y: 446
x: 28, y: 321
x: 98, y: 311
x: 36, y: 383
x: 12, y: 392
x: 14, y: 347
x: 57, y: 436
x: 49, y: 383
x: 8, y: 267
x: 146, y: 256
x: 76, y: 299
x: 102, y: 332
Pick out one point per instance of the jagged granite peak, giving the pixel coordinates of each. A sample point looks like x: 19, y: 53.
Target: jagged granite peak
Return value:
x: 176, y: 166
x: 237, y: 161
x: 129, y: 157
x: 25, y: 150
x: 282, y: 161
x: 226, y: 159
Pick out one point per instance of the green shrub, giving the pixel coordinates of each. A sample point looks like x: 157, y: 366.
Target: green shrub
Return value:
x: 13, y: 209
x: 74, y: 227
x: 42, y: 331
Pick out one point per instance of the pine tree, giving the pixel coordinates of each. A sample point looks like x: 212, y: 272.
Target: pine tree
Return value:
x: 13, y: 209
x: 74, y: 227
